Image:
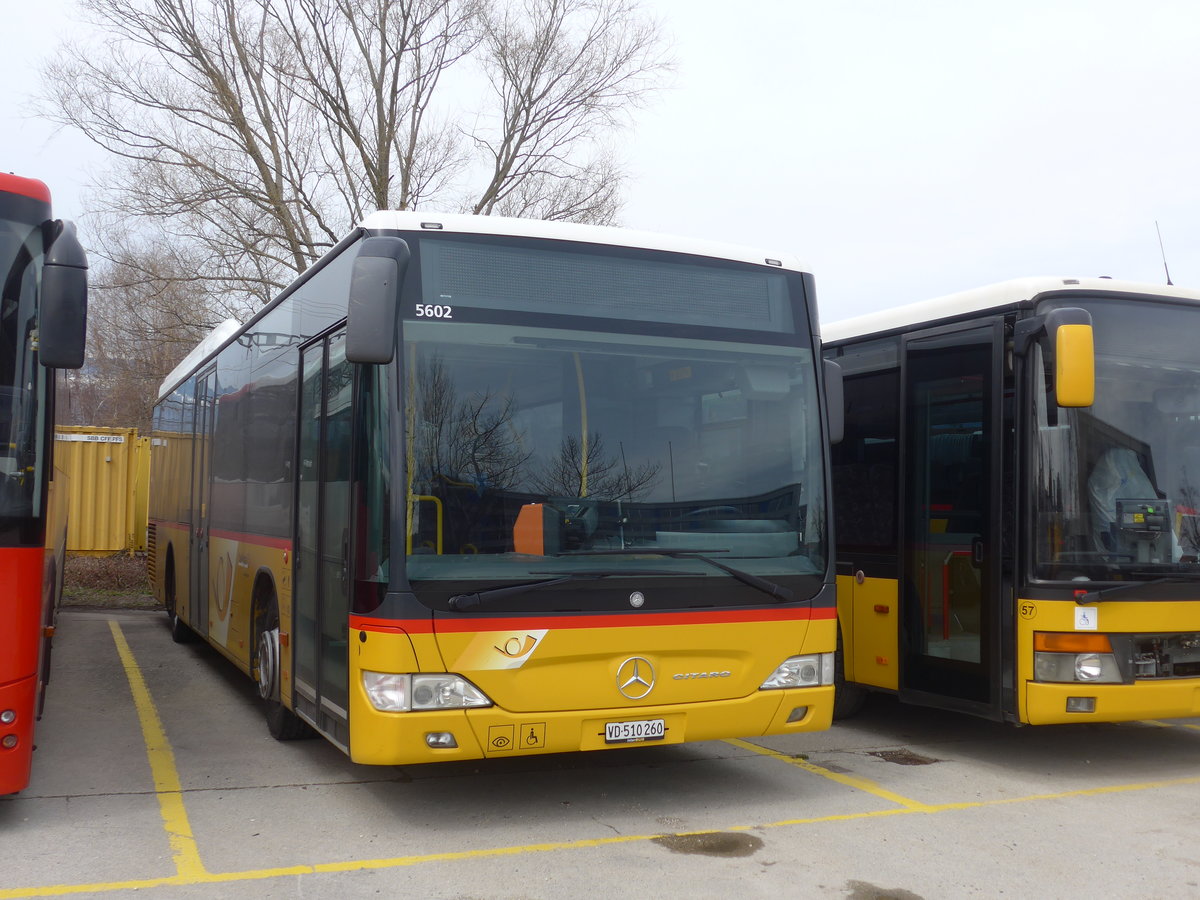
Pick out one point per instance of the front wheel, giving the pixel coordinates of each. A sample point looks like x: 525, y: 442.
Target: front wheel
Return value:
x: 180, y: 632
x: 848, y: 698
x: 283, y: 724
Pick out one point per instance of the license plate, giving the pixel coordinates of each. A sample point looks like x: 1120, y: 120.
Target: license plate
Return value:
x: 634, y: 732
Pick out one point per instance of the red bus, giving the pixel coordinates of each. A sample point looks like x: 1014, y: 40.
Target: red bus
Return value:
x: 43, y: 311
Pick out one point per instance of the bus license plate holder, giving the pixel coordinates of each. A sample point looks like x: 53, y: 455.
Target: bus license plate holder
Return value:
x: 637, y: 731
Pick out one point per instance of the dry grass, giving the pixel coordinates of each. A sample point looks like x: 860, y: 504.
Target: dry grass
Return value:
x: 111, y: 581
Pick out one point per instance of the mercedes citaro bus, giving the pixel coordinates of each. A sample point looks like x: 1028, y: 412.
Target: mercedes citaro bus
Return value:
x: 476, y: 487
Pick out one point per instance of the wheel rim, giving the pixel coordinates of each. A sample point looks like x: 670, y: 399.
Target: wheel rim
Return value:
x: 268, y: 664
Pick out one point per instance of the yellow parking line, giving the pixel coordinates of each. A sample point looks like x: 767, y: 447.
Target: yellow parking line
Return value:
x: 1157, y: 724
x: 862, y: 784
x: 518, y: 850
x: 62, y: 890
x: 162, y: 765
x: 190, y: 870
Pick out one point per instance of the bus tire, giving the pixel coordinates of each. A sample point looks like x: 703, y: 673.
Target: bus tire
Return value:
x: 848, y: 698
x: 180, y: 632
x: 283, y: 724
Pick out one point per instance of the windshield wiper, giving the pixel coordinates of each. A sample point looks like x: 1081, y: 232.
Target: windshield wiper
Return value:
x: 468, y: 602
x: 1104, y: 593
x: 776, y: 591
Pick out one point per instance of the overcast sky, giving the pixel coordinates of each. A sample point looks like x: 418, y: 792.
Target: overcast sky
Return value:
x: 902, y: 150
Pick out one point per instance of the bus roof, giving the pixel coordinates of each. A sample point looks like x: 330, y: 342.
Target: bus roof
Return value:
x: 26, y: 187
x: 209, y: 344
x: 458, y: 223
x: 1015, y: 293
x: 393, y: 220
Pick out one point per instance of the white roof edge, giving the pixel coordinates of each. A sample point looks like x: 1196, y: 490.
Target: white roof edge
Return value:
x: 208, y: 345
x: 458, y: 223
x: 992, y: 296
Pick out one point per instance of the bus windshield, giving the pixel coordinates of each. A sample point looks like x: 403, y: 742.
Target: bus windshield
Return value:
x: 1117, y: 485
x: 535, y: 451
x: 21, y: 380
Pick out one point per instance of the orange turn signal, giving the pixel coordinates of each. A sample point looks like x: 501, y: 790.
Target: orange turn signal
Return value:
x: 1071, y: 642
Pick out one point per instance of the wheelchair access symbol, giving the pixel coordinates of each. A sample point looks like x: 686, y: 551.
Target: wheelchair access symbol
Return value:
x: 526, y: 736
x: 533, y: 735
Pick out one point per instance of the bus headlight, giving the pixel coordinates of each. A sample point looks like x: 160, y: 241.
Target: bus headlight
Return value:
x: 811, y: 670
x: 1088, y: 667
x: 393, y: 692
x: 1093, y: 668
x: 1073, y: 657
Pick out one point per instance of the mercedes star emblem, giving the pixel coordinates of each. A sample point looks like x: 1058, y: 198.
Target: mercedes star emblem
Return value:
x: 635, y: 677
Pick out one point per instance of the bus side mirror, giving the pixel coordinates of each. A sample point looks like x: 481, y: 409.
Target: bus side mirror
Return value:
x: 835, y: 401
x: 62, y: 316
x: 1070, y: 333
x: 375, y: 300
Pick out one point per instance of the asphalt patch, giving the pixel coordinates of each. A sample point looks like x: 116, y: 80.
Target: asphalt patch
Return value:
x: 904, y: 757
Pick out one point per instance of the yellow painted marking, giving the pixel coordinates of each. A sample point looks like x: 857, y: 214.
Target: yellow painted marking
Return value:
x: 192, y: 872
x: 1005, y: 801
x: 862, y: 784
x: 402, y: 861
x: 1159, y: 724
x: 162, y: 765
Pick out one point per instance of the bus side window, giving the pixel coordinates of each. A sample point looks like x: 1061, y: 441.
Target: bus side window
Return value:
x: 865, y: 464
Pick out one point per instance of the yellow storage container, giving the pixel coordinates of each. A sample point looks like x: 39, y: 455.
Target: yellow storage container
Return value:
x: 109, y: 473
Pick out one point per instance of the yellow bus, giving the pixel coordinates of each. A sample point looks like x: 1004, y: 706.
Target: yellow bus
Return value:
x: 1017, y: 506
x: 475, y: 487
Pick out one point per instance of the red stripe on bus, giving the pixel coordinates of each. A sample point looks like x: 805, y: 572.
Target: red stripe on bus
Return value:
x: 258, y: 540
x: 618, y: 620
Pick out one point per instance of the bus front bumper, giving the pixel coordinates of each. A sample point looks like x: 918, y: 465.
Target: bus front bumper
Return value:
x: 378, y: 738
x: 1048, y: 704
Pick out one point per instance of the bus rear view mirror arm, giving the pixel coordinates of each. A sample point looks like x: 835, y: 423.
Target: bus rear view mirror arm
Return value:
x: 374, y: 303
x: 1068, y: 342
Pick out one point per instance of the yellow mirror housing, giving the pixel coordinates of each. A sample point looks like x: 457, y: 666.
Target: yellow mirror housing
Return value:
x: 1075, y: 366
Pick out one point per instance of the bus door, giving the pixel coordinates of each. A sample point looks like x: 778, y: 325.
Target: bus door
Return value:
x: 950, y: 520
x: 205, y: 410
x: 321, y: 576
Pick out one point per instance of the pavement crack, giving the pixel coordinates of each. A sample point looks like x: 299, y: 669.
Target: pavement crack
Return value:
x: 611, y: 828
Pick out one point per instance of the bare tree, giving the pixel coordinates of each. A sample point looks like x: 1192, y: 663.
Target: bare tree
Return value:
x: 143, y: 319
x: 564, y: 72
x: 260, y: 131
x: 469, y: 439
x: 584, y: 468
x: 249, y: 135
